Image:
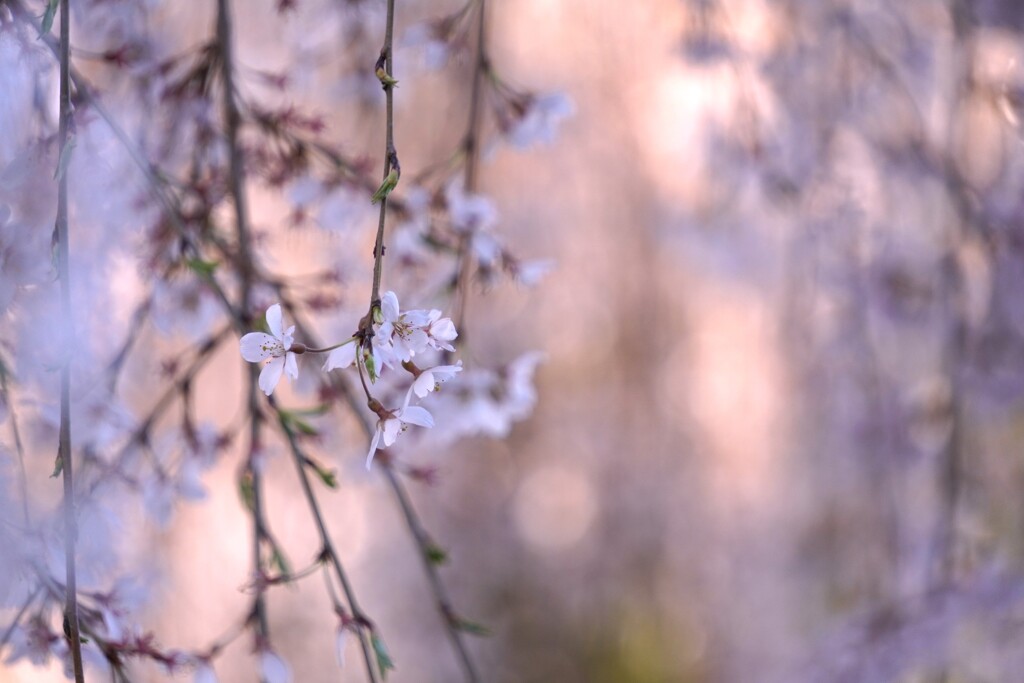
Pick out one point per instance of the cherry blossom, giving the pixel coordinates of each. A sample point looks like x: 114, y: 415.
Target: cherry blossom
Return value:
x: 258, y: 346
x: 538, y: 123
x: 431, y: 379
x: 469, y: 212
x: 391, y: 424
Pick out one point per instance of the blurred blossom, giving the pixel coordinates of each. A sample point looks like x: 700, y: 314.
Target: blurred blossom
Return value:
x: 204, y: 673
x: 273, y: 669
x: 469, y: 212
x: 184, y: 304
x: 537, y: 120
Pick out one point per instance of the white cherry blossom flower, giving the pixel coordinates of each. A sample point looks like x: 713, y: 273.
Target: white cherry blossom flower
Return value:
x: 469, y: 212
x: 388, y: 428
x: 431, y: 379
x: 258, y: 346
x: 401, y: 335
x: 441, y: 332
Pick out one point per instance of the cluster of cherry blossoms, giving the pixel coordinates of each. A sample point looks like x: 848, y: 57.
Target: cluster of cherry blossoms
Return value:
x: 394, y: 339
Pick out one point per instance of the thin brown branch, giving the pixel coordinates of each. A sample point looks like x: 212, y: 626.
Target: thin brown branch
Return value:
x: 61, y: 228
x: 424, y: 545
x: 232, y: 123
x: 471, y: 147
x: 385, y: 62
x: 365, y: 626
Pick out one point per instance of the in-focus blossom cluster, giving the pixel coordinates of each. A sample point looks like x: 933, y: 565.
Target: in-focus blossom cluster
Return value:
x: 396, y: 340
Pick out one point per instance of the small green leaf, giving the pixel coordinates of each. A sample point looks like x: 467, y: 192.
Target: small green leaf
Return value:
x: 277, y: 559
x: 201, y: 267
x: 295, y: 423
x: 384, y: 77
x: 64, y: 160
x: 303, y: 427
x: 435, y: 553
x: 247, y: 492
x: 370, y: 365
x: 390, y: 183
x: 48, y: 15
x: 58, y: 466
x: 327, y: 476
x: 472, y: 628
x: 315, y: 411
x: 384, y: 661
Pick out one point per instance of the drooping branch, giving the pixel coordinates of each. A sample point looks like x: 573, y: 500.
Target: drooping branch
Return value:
x: 232, y: 123
x: 424, y: 546
x: 471, y: 148
x: 64, y: 448
x: 385, y: 69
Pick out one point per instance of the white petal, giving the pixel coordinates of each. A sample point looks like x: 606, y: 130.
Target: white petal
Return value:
x: 290, y: 366
x: 443, y: 373
x: 257, y: 346
x: 408, y: 397
x: 424, y: 384
x: 341, y: 357
x: 373, y: 446
x: 339, y: 646
x: 443, y: 330
x: 271, y: 375
x: 417, y: 415
x: 274, y: 320
x: 392, y: 428
x: 389, y: 306
x: 273, y: 668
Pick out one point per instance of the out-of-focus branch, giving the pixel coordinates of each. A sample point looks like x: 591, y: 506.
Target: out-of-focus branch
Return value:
x: 232, y: 123
x: 471, y: 148
x: 19, y: 446
x: 64, y: 147
x: 363, y: 623
x: 426, y: 548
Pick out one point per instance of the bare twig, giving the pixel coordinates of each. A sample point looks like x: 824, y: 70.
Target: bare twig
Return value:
x: 362, y: 621
x: 471, y: 147
x: 61, y: 228
x: 385, y: 63
x: 424, y: 546
x: 232, y: 121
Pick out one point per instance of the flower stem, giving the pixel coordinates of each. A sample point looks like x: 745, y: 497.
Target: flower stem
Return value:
x: 326, y: 349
